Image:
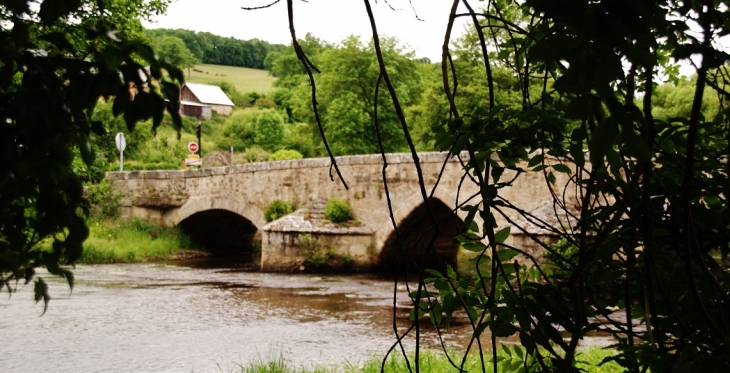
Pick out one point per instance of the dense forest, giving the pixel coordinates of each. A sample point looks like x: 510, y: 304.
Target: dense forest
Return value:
x: 219, y: 50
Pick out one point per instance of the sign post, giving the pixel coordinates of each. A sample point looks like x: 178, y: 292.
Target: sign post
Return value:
x: 121, y: 144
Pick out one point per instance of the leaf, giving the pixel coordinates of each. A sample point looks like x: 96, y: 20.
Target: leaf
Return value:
x: 602, y: 141
x: 497, y: 173
x: 536, y: 160
x: 41, y: 292
x: 29, y: 274
x: 505, y: 255
x: 442, y: 284
x: 420, y: 309
x: 551, y: 177
x: 52, y: 10
x: 576, y: 151
x: 635, y: 146
x: 527, y: 342
x: 434, y: 273
x: 69, y: 278
x: 518, y: 351
x: 435, y: 313
x: 480, y: 329
x: 506, y: 350
x: 504, y: 329
x: 502, y: 234
x: 560, y: 167
x: 476, y: 247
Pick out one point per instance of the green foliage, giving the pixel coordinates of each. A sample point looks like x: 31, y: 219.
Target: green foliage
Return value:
x: 346, y: 92
x: 218, y: 50
x: 564, y: 99
x: 111, y: 241
x: 637, y: 184
x: 337, y: 211
x: 255, y: 154
x: 104, y: 200
x: 277, y: 209
x: 269, y: 130
x: 285, y: 154
x: 59, y: 58
x: 239, y: 130
x: 173, y: 50
x: 315, y: 255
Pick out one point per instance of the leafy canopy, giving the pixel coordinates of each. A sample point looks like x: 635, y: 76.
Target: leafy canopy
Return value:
x: 57, y: 59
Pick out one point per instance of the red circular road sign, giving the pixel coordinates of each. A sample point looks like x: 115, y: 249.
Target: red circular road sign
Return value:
x: 193, y: 146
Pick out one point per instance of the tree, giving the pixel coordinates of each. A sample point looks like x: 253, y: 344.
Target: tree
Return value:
x: 638, y: 202
x: 58, y: 59
x: 214, y: 49
x: 348, y: 74
x: 269, y: 130
x: 173, y: 50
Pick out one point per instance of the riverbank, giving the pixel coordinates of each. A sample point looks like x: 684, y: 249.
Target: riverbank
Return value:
x: 430, y: 361
x: 135, y: 241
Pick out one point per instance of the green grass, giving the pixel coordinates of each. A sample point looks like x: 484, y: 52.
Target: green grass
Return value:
x: 431, y: 362
x: 243, y: 78
x: 131, y: 241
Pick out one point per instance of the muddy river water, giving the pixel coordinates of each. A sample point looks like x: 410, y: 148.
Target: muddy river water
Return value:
x: 173, y: 318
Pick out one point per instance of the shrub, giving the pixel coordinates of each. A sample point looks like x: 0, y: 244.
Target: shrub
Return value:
x: 265, y: 103
x: 285, y: 154
x: 255, y: 154
x: 277, y: 209
x: 269, y: 129
x: 337, y: 211
x: 104, y: 200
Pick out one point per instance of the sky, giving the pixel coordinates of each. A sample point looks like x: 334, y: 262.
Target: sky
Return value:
x: 330, y: 20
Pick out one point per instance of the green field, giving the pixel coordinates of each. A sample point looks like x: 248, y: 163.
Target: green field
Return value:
x: 243, y: 78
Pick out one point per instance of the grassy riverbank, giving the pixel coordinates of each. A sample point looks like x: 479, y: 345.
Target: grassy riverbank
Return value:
x: 131, y: 241
x: 431, y: 362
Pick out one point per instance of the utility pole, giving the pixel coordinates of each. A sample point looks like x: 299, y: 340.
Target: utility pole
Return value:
x: 200, y: 144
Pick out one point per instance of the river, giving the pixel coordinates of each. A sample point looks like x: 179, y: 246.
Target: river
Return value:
x: 181, y: 318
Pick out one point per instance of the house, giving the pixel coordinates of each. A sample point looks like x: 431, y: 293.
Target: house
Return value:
x: 199, y: 100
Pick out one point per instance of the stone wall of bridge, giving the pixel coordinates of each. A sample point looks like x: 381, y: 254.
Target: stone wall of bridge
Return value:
x: 170, y: 197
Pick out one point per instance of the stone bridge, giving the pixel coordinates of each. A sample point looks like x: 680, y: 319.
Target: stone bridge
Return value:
x: 223, y: 207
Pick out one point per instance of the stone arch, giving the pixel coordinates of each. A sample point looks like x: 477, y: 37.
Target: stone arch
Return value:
x: 416, y: 231
x: 195, y: 205
x: 220, y: 224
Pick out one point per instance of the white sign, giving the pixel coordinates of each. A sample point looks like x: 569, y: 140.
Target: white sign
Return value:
x: 121, y: 141
x: 193, y: 160
x: 121, y: 144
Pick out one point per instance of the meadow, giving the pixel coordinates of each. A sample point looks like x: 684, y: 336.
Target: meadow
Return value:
x: 131, y: 241
x: 243, y: 78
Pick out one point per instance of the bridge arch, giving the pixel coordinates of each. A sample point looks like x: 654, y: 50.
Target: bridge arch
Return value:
x: 220, y: 225
x: 195, y: 205
x: 416, y: 231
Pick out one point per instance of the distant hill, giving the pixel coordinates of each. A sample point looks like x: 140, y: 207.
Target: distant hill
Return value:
x: 243, y: 78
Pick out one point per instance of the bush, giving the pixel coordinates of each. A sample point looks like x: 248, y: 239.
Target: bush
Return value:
x: 337, y: 211
x: 255, y: 154
x: 277, y: 209
x: 269, y: 130
x: 285, y: 154
x: 104, y: 200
